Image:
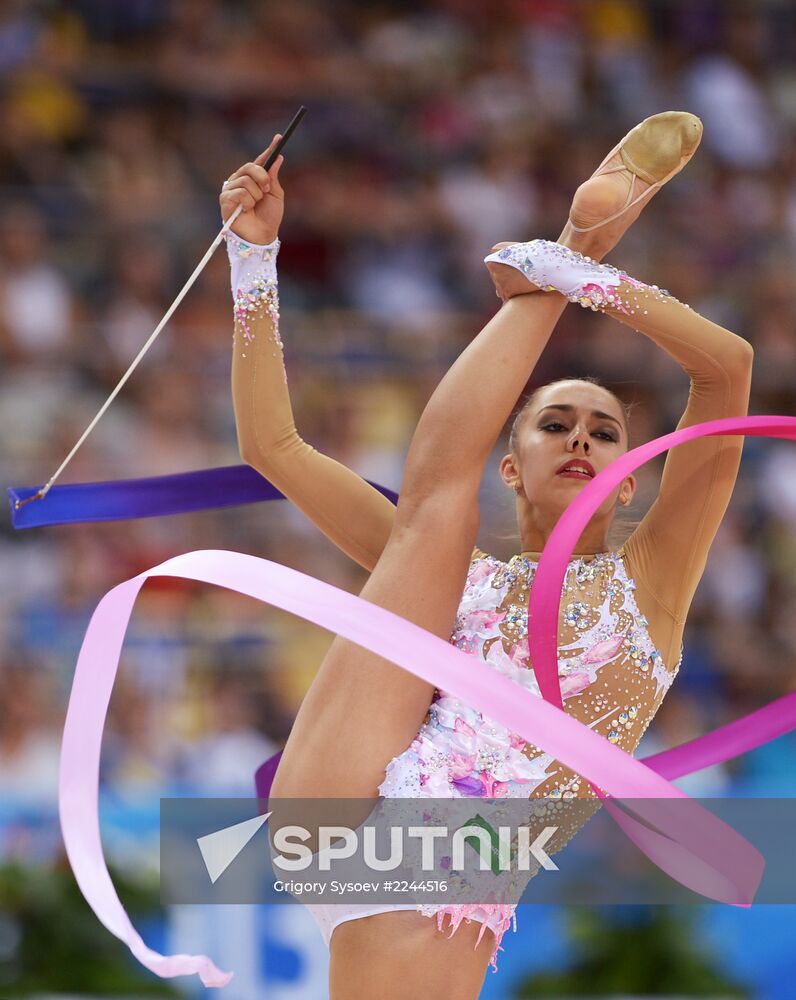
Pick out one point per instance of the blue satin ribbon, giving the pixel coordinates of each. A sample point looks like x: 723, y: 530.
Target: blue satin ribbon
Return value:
x: 160, y: 496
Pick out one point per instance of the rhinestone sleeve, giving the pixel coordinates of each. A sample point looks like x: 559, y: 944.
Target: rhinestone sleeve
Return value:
x: 555, y: 268
x: 255, y: 292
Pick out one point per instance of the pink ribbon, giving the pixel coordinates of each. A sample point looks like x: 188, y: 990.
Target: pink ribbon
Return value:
x: 759, y: 727
x: 689, y: 843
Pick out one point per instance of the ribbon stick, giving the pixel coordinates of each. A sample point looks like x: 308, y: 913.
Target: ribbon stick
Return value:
x: 696, y: 848
x: 42, y: 492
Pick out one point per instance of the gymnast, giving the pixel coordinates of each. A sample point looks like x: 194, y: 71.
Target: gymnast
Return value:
x: 367, y: 728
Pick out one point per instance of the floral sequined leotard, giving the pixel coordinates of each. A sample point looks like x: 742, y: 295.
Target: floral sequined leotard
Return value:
x: 612, y: 677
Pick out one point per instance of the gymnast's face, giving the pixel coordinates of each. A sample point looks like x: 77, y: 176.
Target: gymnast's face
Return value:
x: 569, y: 422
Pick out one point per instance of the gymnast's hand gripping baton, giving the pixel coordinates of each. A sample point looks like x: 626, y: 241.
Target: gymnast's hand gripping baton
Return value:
x: 42, y: 493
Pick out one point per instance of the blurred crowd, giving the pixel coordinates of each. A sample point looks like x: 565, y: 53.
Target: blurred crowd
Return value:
x: 435, y: 129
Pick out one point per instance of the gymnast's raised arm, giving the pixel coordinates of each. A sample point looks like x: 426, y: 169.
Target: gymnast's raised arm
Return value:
x: 668, y: 551
x: 350, y: 512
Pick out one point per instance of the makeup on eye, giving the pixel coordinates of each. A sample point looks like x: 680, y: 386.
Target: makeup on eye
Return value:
x: 557, y: 423
x: 599, y: 415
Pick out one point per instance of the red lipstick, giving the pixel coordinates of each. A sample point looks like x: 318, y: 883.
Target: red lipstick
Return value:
x: 586, y: 469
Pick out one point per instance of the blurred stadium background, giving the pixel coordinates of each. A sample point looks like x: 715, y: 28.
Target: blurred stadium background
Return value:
x: 435, y: 130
